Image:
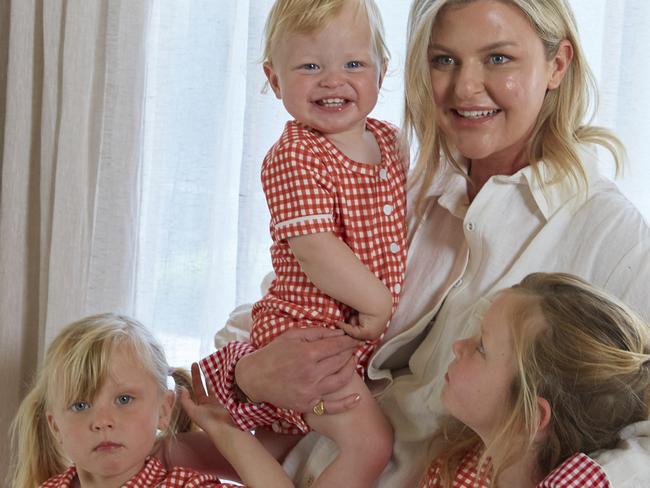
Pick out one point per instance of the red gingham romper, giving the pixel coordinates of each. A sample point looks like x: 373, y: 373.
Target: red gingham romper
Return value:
x: 312, y: 187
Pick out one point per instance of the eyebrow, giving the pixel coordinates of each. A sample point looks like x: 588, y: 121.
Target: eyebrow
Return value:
x: 489, y: 47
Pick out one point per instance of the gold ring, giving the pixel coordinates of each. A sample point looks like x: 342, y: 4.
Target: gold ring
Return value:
x: 319, y: 408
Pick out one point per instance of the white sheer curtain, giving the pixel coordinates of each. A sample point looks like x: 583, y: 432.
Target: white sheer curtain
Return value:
x: 204, y: 244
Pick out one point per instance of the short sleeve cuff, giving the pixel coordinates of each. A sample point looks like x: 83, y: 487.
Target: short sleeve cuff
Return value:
x: 304, y: 226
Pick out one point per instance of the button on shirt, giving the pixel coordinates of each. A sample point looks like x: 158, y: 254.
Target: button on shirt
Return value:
x: 517, y: 228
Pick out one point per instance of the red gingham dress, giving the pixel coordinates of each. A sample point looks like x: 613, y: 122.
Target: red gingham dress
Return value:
x: 579, y: 471
x: 153, y: 474
x: 312, y: 187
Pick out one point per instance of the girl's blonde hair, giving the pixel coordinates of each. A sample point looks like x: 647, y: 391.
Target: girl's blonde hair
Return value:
x: 559, y: 128
x: 310, y: 16
x: 75, y: 367
x: 584, y: 352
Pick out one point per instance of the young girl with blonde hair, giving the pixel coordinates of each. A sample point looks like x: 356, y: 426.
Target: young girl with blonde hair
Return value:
x: 557, y: 370
x: 93, y: 415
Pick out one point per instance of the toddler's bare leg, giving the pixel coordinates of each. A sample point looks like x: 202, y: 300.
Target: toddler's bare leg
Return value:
x: 363, y: 435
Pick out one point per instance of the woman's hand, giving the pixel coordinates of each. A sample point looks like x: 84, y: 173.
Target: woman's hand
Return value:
x: 297, y: 369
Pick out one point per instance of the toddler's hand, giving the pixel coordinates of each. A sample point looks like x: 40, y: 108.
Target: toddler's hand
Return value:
x: 364, y: 327
x: 206, y: 410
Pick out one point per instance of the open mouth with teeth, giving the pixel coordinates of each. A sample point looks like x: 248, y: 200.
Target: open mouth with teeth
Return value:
x: 332, y: 102
x: 476, y: 114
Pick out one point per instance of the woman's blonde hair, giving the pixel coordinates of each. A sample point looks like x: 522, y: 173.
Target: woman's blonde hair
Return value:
x: 75, y: 367
x: 310, y: 16
x: 584, y: 352
x: 559, y: 128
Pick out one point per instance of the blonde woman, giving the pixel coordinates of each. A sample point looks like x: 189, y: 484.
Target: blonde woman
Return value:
x: 505, y: 183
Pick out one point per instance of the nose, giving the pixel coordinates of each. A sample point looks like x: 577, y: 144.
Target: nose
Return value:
x: 102, y: 420
x: 332, y: 78
x: 458, y: 347
x: 469, y: 80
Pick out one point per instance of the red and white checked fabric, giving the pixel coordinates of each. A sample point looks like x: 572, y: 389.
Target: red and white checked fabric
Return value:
x: 579, y: 471
x: 312, y: 187
x: 153, y: 474
x: 219, y: 372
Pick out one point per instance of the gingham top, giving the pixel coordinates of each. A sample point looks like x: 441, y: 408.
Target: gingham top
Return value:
x: 153, y: 474
x: 312, y: 187
x: 577, y: 471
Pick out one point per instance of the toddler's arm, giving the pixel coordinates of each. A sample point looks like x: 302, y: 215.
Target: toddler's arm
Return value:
x: 332, y: 266
x: 253, y: 463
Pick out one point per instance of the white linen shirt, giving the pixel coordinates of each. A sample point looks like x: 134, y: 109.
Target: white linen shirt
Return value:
x: 460, y: 253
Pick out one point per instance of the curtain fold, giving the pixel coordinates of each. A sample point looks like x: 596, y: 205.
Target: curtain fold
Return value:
x: 69, y: 174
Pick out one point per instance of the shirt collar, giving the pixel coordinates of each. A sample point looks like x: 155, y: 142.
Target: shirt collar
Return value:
x: 152, y: 472
x: 450, y: 187
x: 551, y: 194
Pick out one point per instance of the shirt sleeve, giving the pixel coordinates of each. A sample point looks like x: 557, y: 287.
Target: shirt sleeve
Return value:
x: 299, y: 189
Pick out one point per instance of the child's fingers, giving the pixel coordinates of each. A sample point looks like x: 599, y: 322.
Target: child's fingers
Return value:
x: 349, y: 329
x: 197, y: 383
x: 186, y: 400
x: 355, y: 331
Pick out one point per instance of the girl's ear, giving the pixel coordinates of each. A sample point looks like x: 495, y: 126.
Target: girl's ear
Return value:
x: 166, y: 407
x: 545, y: 412
x: 54, y: 428
x: 273, y: 79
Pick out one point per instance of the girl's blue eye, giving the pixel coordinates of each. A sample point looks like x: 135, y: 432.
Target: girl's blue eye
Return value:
x: 499, y: 58
x: 354, y: 64
x: 310, y: 66
x: 124, y: 399
x: 79, y: 406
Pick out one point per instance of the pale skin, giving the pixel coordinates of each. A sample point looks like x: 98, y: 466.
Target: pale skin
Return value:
x: 109, y: 436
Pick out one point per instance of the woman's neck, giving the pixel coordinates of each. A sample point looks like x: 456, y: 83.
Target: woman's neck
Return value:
x: 481, y: 171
